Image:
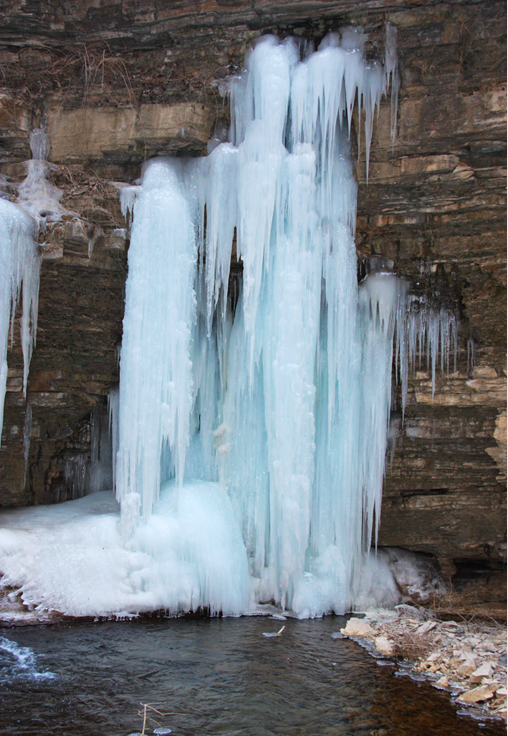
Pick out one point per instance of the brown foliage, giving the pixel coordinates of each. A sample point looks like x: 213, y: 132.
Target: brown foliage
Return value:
x: 94, y: 75
x: 412, y: 646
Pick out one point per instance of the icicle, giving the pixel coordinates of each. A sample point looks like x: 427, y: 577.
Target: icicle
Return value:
x: 128, y: 196
x: 392, y: 75
x: 155, y: 366
x: 27, y: 433
x: 113, y: 411
x: 471, y: 353
x: 221, y: 217
x: 430, y: 331
x: 99, y: 470
x: 378, y: 302
x: 20, y: 264
x: 75, y: 474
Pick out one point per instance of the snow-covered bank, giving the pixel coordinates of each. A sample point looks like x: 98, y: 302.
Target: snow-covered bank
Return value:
x: 467, y: 658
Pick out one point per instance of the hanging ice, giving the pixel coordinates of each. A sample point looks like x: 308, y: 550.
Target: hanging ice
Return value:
x: 285, y: 399
x: 156, y: 370
x: 36, y: 194
x: 19, y: 272
x: 20, y: 261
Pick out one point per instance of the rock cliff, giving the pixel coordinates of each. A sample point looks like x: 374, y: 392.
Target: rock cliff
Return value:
x: 117, y: 82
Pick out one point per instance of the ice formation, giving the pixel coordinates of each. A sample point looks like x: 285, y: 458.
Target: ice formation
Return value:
x: 284, y: 400
x: 20, y: 261
x: 19, y: 273
x: 250, y: 430
x: 71, y: 557
x: 88, y: 474
x: 36, y: 194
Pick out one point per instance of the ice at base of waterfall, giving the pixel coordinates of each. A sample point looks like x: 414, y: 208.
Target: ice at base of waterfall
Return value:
x: 71, y: 558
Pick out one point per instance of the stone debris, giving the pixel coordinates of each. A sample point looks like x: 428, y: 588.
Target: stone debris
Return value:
x: 478, y: 694
x: 427, y: 626
x: 384, y: 646
x: 484, y: 670
x: 466, y: 658
x: 357, y: 627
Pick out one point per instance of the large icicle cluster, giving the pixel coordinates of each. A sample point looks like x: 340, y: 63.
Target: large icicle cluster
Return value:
x: 283, y: 394
x: 284, y: 400
x: 249, y: 431
x: 19, y: 272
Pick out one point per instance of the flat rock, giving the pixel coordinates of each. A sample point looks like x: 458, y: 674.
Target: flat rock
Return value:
x: 478, y: 694
x: 384, y: 645
x: 484, y: 670
x: 465, y: 669
x: 357, y: 627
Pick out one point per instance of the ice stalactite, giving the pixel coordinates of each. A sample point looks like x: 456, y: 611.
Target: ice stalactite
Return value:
x: 20, y: 260
x: 19, y: 272
x: 92, y: 473
x: 392, y: 73
x: 423, y: 330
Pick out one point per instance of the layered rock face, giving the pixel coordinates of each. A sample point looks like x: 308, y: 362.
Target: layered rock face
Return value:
x: 117, y: 83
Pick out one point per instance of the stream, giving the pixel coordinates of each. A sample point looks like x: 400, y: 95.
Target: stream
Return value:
x: 214, y: 676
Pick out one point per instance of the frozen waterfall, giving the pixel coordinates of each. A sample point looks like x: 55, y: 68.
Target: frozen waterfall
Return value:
x: 284, y: 399
x: 250, y: 426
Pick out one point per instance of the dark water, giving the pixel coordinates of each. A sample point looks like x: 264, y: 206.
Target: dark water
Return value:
x: 222, y: 675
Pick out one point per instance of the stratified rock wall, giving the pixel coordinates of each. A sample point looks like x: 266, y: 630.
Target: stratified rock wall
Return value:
x: 116, y: 83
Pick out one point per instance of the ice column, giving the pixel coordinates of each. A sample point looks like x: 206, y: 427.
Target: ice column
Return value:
x: 155, y: 365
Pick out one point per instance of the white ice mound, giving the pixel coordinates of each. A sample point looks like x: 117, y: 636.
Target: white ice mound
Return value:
x: 71, y: 557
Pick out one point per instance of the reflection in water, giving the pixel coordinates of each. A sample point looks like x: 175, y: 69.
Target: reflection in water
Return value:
x: 223, y: 677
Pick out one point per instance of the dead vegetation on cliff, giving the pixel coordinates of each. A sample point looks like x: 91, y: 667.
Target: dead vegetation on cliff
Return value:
x: 76, y: 181
x: 94, y: 75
